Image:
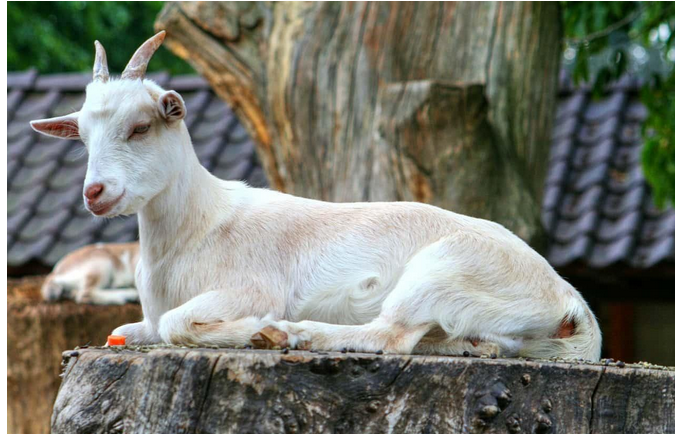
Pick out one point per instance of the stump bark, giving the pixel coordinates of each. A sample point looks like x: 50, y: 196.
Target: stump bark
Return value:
x: 37, y: 333
x: 190, y: 390
x: 444, y: 103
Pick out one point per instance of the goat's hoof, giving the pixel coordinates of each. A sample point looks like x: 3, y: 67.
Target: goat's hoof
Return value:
x: 269, y: 337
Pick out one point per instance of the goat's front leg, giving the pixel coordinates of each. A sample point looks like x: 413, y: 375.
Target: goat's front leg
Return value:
x: 206, y: 320
x: 138, y: 333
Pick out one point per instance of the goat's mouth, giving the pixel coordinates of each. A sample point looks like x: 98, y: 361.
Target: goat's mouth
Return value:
x: 101, y: 209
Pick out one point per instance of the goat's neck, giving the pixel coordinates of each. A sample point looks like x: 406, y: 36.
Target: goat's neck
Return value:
x: 184, y: 212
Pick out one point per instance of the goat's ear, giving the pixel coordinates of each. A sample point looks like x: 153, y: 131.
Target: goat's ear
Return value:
x: 65, y: 127
x: 171, y: 106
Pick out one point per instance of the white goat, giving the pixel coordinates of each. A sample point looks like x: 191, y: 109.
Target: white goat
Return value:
x: 95, y: 274
x: 225, y: 264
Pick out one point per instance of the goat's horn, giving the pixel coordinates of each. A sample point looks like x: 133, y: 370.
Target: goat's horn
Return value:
x: 100, y: 64
x: 139, y: 61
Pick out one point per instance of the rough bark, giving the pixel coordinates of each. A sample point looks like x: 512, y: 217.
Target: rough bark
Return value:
x: 248, y: 391
x: 37, y: 333
x: 445, y: 103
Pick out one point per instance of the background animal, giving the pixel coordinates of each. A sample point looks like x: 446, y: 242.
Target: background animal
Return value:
x: 95, y: 274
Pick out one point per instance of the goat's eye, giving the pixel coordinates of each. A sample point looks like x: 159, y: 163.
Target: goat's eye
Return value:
x: 141, y: 129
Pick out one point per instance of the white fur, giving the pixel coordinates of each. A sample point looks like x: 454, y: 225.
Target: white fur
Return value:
x: 220, y: 260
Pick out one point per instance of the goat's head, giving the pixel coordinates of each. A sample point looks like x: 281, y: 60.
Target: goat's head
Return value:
x: 133, y: 131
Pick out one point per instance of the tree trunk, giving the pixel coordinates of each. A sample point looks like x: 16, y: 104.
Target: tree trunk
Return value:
x: 37, y: 333
x: 249, y: 391
x: 445, y: 103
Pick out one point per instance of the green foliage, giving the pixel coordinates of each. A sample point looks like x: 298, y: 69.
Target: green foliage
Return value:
x: 594, y: 27
x: 658, y: 155
x: 59, y: 36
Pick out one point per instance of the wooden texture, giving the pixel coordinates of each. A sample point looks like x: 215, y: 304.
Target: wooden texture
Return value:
x: 445, y: 103
x: 37, y: 333
x: 247, y: 391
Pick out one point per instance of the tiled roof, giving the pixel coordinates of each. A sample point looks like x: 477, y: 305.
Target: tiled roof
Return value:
x: 597, y: 206
x: 45, y: 214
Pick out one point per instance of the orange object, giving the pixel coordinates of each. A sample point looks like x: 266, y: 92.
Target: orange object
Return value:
x: 116, y: 340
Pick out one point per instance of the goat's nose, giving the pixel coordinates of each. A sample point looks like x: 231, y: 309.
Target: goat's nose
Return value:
x: 93, y: 191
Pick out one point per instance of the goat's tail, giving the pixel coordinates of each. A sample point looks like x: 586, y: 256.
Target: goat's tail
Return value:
x: 577, y: 335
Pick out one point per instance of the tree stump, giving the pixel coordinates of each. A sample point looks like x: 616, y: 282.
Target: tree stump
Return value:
x: 190, y: 390
x: 37, y: 333
x: 448, y: 103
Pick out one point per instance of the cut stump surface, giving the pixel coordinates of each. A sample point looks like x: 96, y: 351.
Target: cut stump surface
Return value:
x: 173, y: 389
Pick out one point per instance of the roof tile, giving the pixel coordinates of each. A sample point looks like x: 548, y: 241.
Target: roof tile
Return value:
x: 44, y: 153
x: 610, y: 229
x: 62, y: 247
x: 67, y: 82
x: 29, y: 176
x: 570, y: 105
x: 236, y: 171
x: 596, y: 111
x: 560, y: 148
x: 604, y: 254
x: 616, y: 204
x: 565, y: 128
x: 593, y: 155
x: 626, y: 157
x: 581, y: 180
x: 41, y: 226
x: 572, y: 206
x: 196, y: 101
x: 37, y: 106
x: 621, y: 180
x: 552, y: 197
x: 604, y: 148
x: 209, y: 149
x: 652, y: 211
x: 649, y: 254
x: 658, y: 227
x: 21, y: 80
x: 188, y: 83
x: 563, y: 254
x: 80, y: 225
x: 115, y: 228
x: 57, y: 199
x: 257, y: 177
x: 569, y: 230
x: 556, y: 172
x: 68, y: 103
x: 592, y: 133
x: 20, y: 146
x: 22, y: 252
x: 630, y: 133
x: 636, y: 111
x: 18, y: 130
x: 17, y: 220
x: 26, y: 198
x: 14, y: 99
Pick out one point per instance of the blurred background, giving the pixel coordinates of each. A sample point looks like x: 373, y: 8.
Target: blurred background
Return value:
x: 556, y: 120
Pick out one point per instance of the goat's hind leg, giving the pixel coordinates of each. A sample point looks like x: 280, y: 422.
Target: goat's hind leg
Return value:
x: 114, y: 296
x: 458, y: 347
x: 432, y: 294
x: 407, y: 315
x: 379, y: 334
